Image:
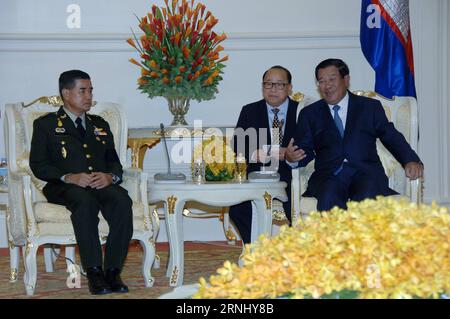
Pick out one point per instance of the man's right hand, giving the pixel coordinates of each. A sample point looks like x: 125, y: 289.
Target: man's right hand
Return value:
x: 80, y: 179
x: 293, y: 153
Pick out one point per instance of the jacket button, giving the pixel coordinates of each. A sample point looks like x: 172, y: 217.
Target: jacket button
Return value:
x: 90, y: 168
x: 88, y: 155
x: 85, y: 145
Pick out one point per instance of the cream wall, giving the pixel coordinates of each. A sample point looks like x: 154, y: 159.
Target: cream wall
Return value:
x: 36, y: 46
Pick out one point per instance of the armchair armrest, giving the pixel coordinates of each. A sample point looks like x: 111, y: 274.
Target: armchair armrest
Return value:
x: 131, y: 181
x: 416, y: 190
x: 31, y: 226
x: 296, y: 193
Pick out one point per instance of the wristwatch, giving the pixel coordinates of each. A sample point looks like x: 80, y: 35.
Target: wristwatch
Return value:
x: 115, y: 178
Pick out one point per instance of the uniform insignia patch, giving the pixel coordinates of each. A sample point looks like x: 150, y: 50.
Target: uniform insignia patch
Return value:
x: 60, y: 130
x: 98, y: 131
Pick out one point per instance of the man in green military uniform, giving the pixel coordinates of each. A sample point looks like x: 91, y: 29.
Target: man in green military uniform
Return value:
x: 74, y: 153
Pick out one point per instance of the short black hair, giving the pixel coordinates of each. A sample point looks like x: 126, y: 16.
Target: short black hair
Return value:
x: 338, y: 63
x: 67, y: 79
x: 279, y: 67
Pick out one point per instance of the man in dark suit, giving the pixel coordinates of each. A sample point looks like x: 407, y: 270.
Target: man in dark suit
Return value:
x: 270, y: 121
x: 340, y: 132
x: 74, y: 153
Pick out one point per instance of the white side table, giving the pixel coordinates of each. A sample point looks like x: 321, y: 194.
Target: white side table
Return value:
x: 3, y: 208
x: 175, y: 196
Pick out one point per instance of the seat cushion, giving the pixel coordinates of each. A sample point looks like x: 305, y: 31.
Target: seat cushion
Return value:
x: 53, y: 213
x: 66, y: 229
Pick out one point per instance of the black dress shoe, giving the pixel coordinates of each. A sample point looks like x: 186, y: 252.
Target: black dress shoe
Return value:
x: 96, y: 281
x: 114, y: 281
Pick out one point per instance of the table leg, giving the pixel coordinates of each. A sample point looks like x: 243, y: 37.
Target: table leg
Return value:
x: 262, y: 217
x: 174, y: 223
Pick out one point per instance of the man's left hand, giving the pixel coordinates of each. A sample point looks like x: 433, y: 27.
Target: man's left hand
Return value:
x: 414, y: 170
x: 100, y: 180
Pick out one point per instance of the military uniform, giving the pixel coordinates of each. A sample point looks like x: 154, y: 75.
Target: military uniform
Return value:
x: 57, y: 149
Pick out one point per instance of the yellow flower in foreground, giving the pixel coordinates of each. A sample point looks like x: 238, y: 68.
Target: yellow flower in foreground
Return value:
x: 384, y: 248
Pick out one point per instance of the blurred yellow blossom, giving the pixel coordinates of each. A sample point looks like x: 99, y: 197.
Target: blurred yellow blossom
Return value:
x: 384, y: 248
x: 218, y: 156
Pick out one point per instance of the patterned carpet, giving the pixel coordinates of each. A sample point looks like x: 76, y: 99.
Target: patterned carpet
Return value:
x: 201, y: 260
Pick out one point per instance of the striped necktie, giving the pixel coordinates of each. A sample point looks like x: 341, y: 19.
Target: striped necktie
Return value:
x: 276, y: 128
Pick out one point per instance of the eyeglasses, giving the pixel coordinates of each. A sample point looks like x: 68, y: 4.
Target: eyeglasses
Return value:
x: 277, y: 86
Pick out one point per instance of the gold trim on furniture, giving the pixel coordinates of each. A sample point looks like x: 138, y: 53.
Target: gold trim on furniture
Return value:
x: 268, y: 199
x: 54, y: 100
x: 13, y: 275
x: 174, y: 277
x: 171, y: 204
x: 298, y: 96
x: 138, y: 146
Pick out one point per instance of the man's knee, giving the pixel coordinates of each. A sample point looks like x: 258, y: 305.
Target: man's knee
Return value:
x: 328, y: 200
x: 364, y: 190
x: 331, y: 193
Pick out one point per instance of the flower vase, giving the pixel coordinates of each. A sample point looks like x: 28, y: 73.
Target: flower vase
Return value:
x: 178, y: 107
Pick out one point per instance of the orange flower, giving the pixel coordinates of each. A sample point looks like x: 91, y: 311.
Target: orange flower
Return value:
x: 178, y: 45
x: 153, y: 64
x: 196, y: 75
x: 186, y: 52
x: 200, y: 24
x: 142, y: 81
x: 145, y: 72
x: 204, y: 69
x: 131, y: 42
x: 225, y: 58
x: 177, y: 38
x: 135, y: 62
x: 208, y: 81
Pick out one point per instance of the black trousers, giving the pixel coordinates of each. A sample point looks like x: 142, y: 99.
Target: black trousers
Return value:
x: 85, y: 203
x: 241, y: 215
x: 349, y: 184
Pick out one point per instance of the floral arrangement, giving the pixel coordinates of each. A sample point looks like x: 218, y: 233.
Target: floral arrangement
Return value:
x: 218, y: 157
x: 381, y: 248
x: 179, y: 52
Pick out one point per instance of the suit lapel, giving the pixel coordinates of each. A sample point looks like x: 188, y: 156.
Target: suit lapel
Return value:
x: 351, y: 115
x: 326, y: 116
x: 263, y: 121
x: 291, y: 120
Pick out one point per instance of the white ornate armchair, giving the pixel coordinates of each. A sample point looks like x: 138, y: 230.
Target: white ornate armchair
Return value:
x: 33, y: 222
x: 402, y: 111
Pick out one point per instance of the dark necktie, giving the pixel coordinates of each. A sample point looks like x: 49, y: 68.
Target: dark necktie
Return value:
x: 340, y: 127
x: 276, y: 128
x: 80, y: 127
x: 338, y: 121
